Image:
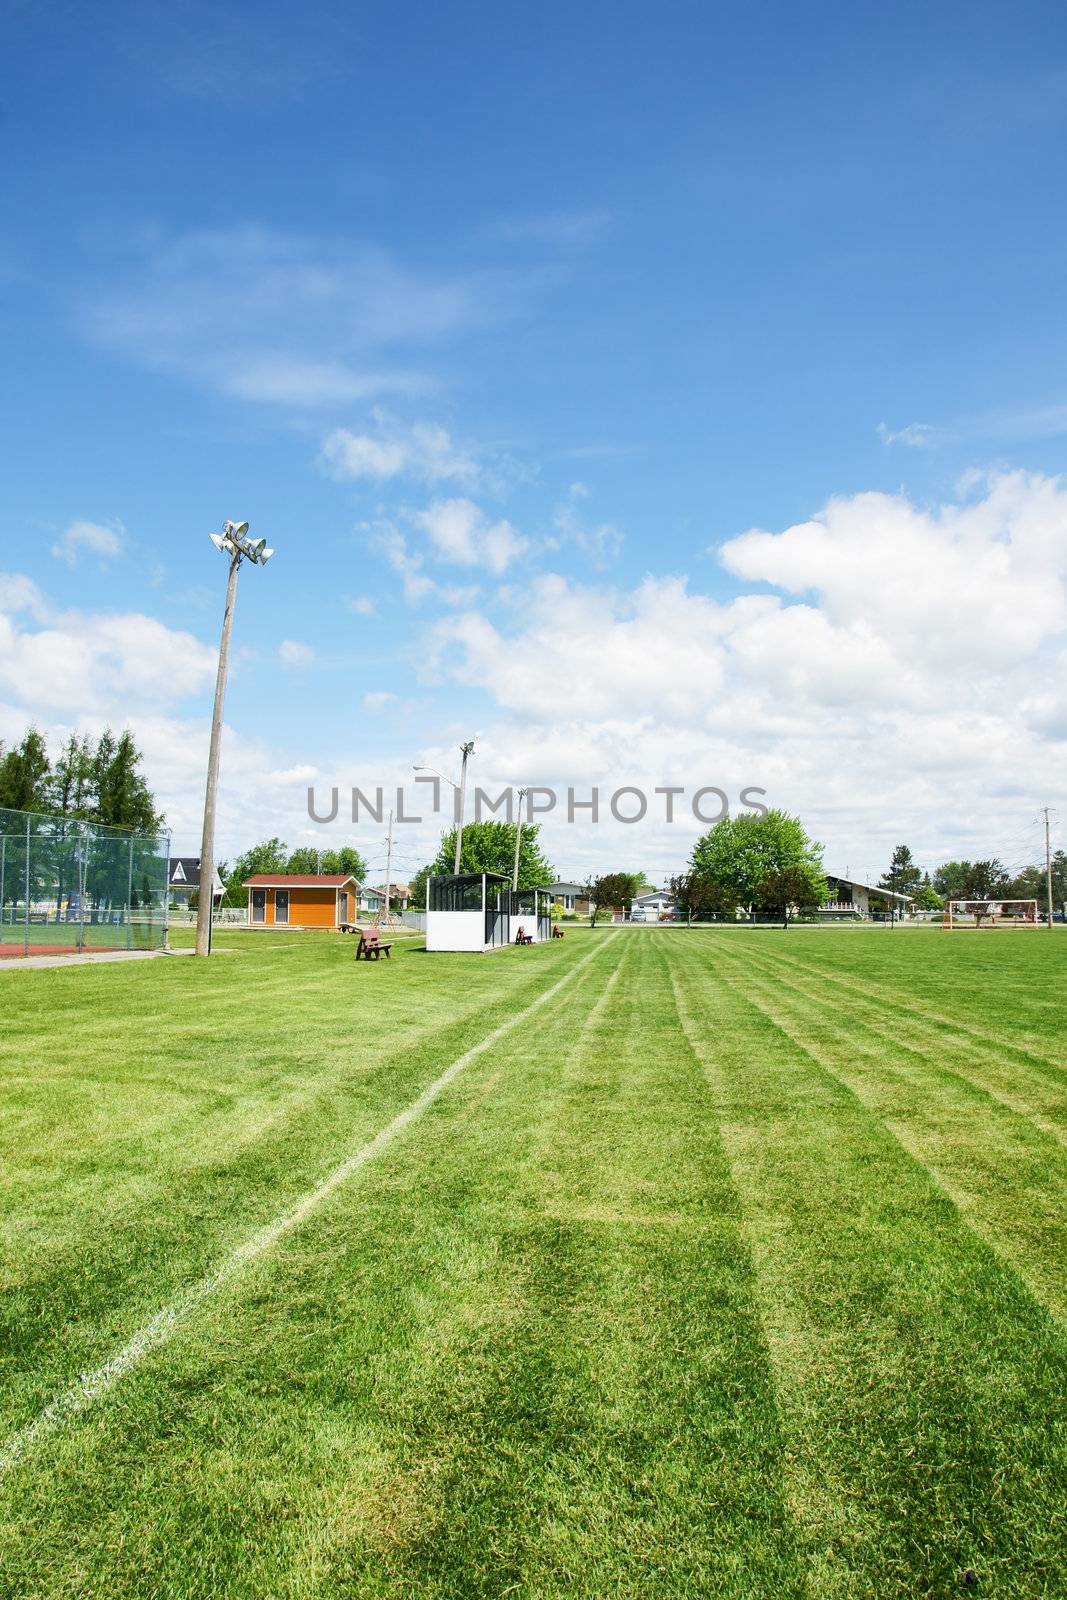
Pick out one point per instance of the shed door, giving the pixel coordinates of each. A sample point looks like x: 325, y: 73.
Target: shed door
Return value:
x: 281, y: 905
x: 259, y: 905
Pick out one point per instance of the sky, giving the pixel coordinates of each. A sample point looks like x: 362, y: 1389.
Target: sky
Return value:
x: 655, y: 395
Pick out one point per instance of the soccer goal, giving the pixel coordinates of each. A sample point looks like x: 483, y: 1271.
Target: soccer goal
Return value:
x: 991, y: 914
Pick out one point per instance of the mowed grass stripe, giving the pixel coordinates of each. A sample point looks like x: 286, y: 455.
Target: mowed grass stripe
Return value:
x: 96, y: 1242
x: 1017, y: 1080
x: 91, y: 1385
x: 524, y: 1360
x: 1007, y: 1178
x: 919, y: 1382
x: 1021, y: 979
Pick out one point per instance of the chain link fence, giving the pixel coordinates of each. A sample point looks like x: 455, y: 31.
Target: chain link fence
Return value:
x: 69, y: 886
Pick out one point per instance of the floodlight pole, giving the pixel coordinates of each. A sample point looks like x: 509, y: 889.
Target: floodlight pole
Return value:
x: 207, y: 842
x: 466, y: 750
x: 1048, y: 871
x: 233, y: 541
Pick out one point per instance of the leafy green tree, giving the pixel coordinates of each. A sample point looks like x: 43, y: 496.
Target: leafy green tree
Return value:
x: 700, y: 900
x: 1031, y: 884
x: 347, y: 859
x: 417, y: 897
x: 490, y: 847
x: 269, y: 856
x: 614, y: 891
x: 926, y: 896
x: 24, y: 774
x: 748, y: 857
x: 971, y: 880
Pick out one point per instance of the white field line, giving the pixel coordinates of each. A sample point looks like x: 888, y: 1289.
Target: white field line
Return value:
x: 91, y: 1385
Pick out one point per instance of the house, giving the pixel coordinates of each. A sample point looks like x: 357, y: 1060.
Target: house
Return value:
x: 848, y: 897
x: 301, y: 899
x: 656, y: 906
x: 571, y: 896
x: 183, y: 878
x: 373, y: 900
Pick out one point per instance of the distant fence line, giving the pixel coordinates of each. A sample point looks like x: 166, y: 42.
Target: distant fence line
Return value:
x: 70, y: 885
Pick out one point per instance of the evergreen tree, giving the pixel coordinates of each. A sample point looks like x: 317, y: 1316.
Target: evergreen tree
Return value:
x: 121, y: 796
x: 903, y: 877
x: 24, y: 774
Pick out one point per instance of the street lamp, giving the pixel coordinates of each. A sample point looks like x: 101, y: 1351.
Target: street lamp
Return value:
x: 461, y: 795
x: 235, y: 544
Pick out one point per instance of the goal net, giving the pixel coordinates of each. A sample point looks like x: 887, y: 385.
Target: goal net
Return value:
x: 991, y: 914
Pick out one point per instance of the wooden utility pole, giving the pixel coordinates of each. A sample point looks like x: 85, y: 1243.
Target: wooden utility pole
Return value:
x: 207, y: 841
x: 1048, y: 871
x: 388, y: 870
x: 518, y: 840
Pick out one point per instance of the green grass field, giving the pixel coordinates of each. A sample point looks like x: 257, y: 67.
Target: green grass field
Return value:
x: 735, y: 1268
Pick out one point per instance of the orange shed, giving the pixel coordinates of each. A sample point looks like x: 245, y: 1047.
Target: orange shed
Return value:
x: 301, y: 899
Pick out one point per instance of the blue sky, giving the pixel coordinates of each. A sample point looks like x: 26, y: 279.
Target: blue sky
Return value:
x: 502, y: 323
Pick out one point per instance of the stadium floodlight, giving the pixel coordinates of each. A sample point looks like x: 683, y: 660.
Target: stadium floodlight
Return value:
x: 233, y: 543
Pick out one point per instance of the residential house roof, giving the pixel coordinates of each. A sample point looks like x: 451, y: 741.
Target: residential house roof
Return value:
x: 872, y: 888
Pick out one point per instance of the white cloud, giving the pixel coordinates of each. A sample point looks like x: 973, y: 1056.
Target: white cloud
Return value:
x: 460, y: 532
x: 101, y: 539
x: 75, y: 663
x: 903, y: 674
x: 424, y: 452
x: 295, y: 654
x: 378, y: 699
x: 361, y: 605
x: 601, y: 542
x: 285, y: 319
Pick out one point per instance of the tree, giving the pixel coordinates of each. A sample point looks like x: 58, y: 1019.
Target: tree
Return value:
x: 270, y: 856
x: 70, y: 790
x: 417, y: 889
x: 121, y: 796
x: 490, y: 847
x: 24, y: 774
x: 903, y: 877
x: 615, y: 889
x: 747, y: 858
x: 926, y: 896
x: 347, y: 859
x: 971, y: 880
x: 701, y: 900
x: 1031, y: 884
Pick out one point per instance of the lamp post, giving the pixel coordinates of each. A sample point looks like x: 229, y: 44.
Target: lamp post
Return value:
x: 461, y: 795
x: 234, y: 543
x: 467, y: 750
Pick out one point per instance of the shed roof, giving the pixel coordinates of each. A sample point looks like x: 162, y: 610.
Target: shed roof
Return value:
x: 299, y: 880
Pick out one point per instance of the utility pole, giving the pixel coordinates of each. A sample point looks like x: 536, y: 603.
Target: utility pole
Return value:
x: 233, y: 541
x: 1048, y: 872
x: 461, y: 801
x: 518, y: 838
x: 388, y: 868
